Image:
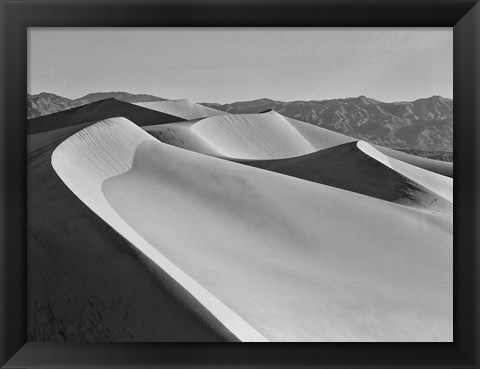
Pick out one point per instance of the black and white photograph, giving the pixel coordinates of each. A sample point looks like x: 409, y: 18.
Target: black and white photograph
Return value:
x: 240, y: 184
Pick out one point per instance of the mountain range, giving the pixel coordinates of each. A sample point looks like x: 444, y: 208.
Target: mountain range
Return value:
x: 47, y: 103
x: 425, y: 124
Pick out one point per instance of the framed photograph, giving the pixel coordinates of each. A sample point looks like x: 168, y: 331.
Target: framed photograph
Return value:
x: 180, y: 174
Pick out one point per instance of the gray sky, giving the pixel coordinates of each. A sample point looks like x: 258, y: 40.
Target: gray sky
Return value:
x: 233, y: 64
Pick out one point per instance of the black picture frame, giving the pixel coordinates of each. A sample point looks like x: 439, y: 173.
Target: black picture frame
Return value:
x: 462, y: 15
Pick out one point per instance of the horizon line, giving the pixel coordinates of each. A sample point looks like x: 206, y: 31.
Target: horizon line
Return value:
x: 241, y: 100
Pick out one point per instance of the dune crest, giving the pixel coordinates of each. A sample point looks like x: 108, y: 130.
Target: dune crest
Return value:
x: 253, y: 136
x: 272, y: 257
x: 185, y: 108
x: 105, y: 150
x: 347, y: 167
x: 320, y: 138
x: 441, y: 185
x: 444, y: 168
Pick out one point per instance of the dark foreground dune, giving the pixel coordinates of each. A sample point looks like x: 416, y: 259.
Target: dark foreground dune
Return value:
x: 96, y: 111
x: 347, y: 167
x: 86, y: 283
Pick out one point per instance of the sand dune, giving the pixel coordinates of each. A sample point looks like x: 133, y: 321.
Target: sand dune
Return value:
x: 253, y: 136
x: 185, y: 109
x: 346, y: 166
x: 186, y: 135
x: 105, y: 150
x: 86, y: 282
x: 441, y: 185
x: 271, y: 256
x: 441, y: 167
x: 320, y: 138
x: 237, y: 136
x: 181, y: 135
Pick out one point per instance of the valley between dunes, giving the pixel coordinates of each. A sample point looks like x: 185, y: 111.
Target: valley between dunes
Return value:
x: 248, y: 227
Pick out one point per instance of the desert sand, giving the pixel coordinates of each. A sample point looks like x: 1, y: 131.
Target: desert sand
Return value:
x: 236, y: 136
x: 267, y: 135
x: 86, y: 283
x: 188, y: 135
x: 437, y: 166
x: 253, y: 136
x: 272, y: 257
x: 346, y: 166
x: 442, y: 185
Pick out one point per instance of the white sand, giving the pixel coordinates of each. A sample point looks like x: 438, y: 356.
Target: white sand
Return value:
x: 184, y: 109
x: 253, y: 136
x: 107, y: 149
x: 271, y: 256
x: 237, y: 136
x: 320, y: 138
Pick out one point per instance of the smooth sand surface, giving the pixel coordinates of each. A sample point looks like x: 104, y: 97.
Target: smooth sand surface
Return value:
x: 86, y: 283
x: 346, y: 166
x: 271, y: 256
x: 181, y: 135
x: 185, y: 109
x: 236, y: 136
x: 441, y: 167
x: 320, y: 138
x: 441, y: 185
x: 105, y: 150
x: 253, y: 136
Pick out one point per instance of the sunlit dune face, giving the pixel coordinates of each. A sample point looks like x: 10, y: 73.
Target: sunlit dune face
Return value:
x: 273, y: 257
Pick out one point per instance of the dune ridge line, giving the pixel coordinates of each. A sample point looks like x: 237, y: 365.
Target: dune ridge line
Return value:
x: 440, y: 184
x: 253, y: 136
x: 269, y: 246
x: 106, y: 149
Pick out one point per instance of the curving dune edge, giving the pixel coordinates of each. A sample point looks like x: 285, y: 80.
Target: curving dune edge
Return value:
x: 104, y: 150
x: 268, y: 254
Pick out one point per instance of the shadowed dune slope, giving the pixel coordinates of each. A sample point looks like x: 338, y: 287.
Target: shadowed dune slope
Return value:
x: 441, y: 167
x: 347, y: 167
x: 184, y: 135
x: 86, y: 283
x: 441, y: 185
x: 105, y: 150
x: 252, y: 136
x: 322, y: 138
x: 185, y: 109
x: 96, y: 111
x: 249, y: 136
x: 295, y: 260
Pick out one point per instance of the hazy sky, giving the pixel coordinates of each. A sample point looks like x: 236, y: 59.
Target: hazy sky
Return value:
x: 233, y: 64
